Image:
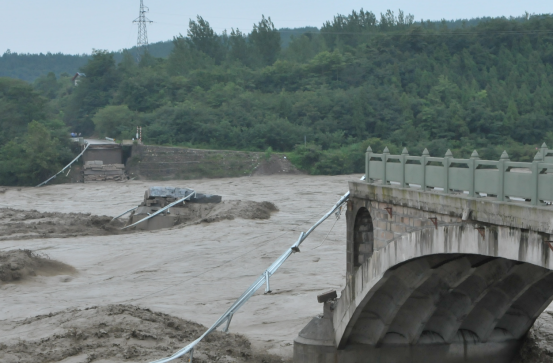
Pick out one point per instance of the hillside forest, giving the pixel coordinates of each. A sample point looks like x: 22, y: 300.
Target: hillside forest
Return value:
x: 322, y: 98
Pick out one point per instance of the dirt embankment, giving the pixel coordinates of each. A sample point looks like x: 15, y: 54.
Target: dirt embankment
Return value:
x: 19, y: 265
x: 119, y: 333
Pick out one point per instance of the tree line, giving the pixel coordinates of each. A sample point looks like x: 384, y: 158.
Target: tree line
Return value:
x: 359, y: 79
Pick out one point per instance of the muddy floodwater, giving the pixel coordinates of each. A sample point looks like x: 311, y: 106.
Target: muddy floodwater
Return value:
x: 191, y: 272
x: 83, y: 291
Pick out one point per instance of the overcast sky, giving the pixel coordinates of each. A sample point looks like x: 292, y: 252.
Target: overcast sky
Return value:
x: 71, y: 26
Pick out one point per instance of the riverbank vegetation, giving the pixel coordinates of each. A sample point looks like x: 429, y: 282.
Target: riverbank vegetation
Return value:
x: 360, y: 79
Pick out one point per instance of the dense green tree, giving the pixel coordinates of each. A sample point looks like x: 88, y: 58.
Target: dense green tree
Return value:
x: 204, y: 39
x: 266, y: 40
x: 30, y: 159
x: 238, y: 47
x: 363, y: 79
x: 116, y: 122
x: 185, y: 58
x: 48, y: 85
x: 93, y: 91
x: 19, y: 106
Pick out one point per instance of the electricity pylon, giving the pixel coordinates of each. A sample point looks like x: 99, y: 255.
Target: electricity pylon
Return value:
x: 142, y: 39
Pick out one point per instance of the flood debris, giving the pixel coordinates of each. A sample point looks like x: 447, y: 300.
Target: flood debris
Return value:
x: 18, y: 224
x: 198, y: 208
x: 96, y: 170
x: 18, y: 265
x: 118, y: 333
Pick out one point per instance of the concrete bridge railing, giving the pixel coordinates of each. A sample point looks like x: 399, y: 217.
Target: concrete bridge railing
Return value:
x: 503, y: 179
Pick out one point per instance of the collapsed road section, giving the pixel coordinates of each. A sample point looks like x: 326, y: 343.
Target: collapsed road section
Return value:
x: 166, y: 207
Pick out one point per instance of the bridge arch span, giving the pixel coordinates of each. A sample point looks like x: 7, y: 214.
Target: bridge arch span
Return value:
x: 433, y: 284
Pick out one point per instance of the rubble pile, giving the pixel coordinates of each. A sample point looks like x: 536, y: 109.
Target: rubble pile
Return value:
x: 96, y: 170
x: 198, y: 208
x: 161, y: 196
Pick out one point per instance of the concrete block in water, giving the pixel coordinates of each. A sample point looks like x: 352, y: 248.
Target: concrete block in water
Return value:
x: 179, y: 193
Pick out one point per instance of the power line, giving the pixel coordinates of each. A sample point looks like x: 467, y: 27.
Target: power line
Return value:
x: 142, y: 39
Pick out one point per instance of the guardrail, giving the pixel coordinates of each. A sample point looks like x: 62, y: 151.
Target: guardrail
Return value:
x: 501, y: 179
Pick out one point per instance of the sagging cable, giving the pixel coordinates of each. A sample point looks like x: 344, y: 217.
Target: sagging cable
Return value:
x: 193, y: 193
x: 67, y: 166
x: 261, y: 280
x: 122, y: 214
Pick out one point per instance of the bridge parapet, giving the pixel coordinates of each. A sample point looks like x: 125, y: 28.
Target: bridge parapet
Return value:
x: 503, y: 179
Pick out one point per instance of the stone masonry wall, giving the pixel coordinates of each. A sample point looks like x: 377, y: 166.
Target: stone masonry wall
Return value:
x: 385, y: 227
x: 168, y: 163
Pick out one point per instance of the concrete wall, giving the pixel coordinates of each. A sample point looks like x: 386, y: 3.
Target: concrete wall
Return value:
x: 109, y: 154
x: 169, y: 163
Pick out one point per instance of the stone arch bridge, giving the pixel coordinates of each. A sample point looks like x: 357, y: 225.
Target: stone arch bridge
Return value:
x: 448, y: 260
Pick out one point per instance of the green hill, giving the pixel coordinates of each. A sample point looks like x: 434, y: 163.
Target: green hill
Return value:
x: 360, y: 79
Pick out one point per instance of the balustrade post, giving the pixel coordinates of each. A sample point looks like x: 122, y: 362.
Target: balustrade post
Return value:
x: 501, y: 168
x: 472, y: 167
x: 403, y: 159
x: 447, y: 158
x: 385, y: 154
x: 367, y: 163
x: 535, y: 174
x: 425, y: 154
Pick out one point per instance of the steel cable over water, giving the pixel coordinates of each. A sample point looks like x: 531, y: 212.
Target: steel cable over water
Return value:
x: 122, y: 214
x: 261, y: 280
x: 62, y: 170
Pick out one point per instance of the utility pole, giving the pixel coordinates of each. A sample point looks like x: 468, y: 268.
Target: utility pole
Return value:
x: 142, y: 39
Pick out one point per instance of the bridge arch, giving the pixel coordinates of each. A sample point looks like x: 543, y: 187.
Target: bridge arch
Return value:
x: 445, y: 298
x: 447, y: 285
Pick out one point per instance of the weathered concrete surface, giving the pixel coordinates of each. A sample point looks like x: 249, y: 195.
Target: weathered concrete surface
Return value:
x: 518, y: 215
x: 436, y: 278
x: 108, y: 153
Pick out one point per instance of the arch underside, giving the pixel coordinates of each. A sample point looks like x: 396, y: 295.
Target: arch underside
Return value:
x: 445, y: 299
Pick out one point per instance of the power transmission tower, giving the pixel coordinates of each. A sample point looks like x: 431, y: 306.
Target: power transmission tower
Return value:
x: 142, y: 39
